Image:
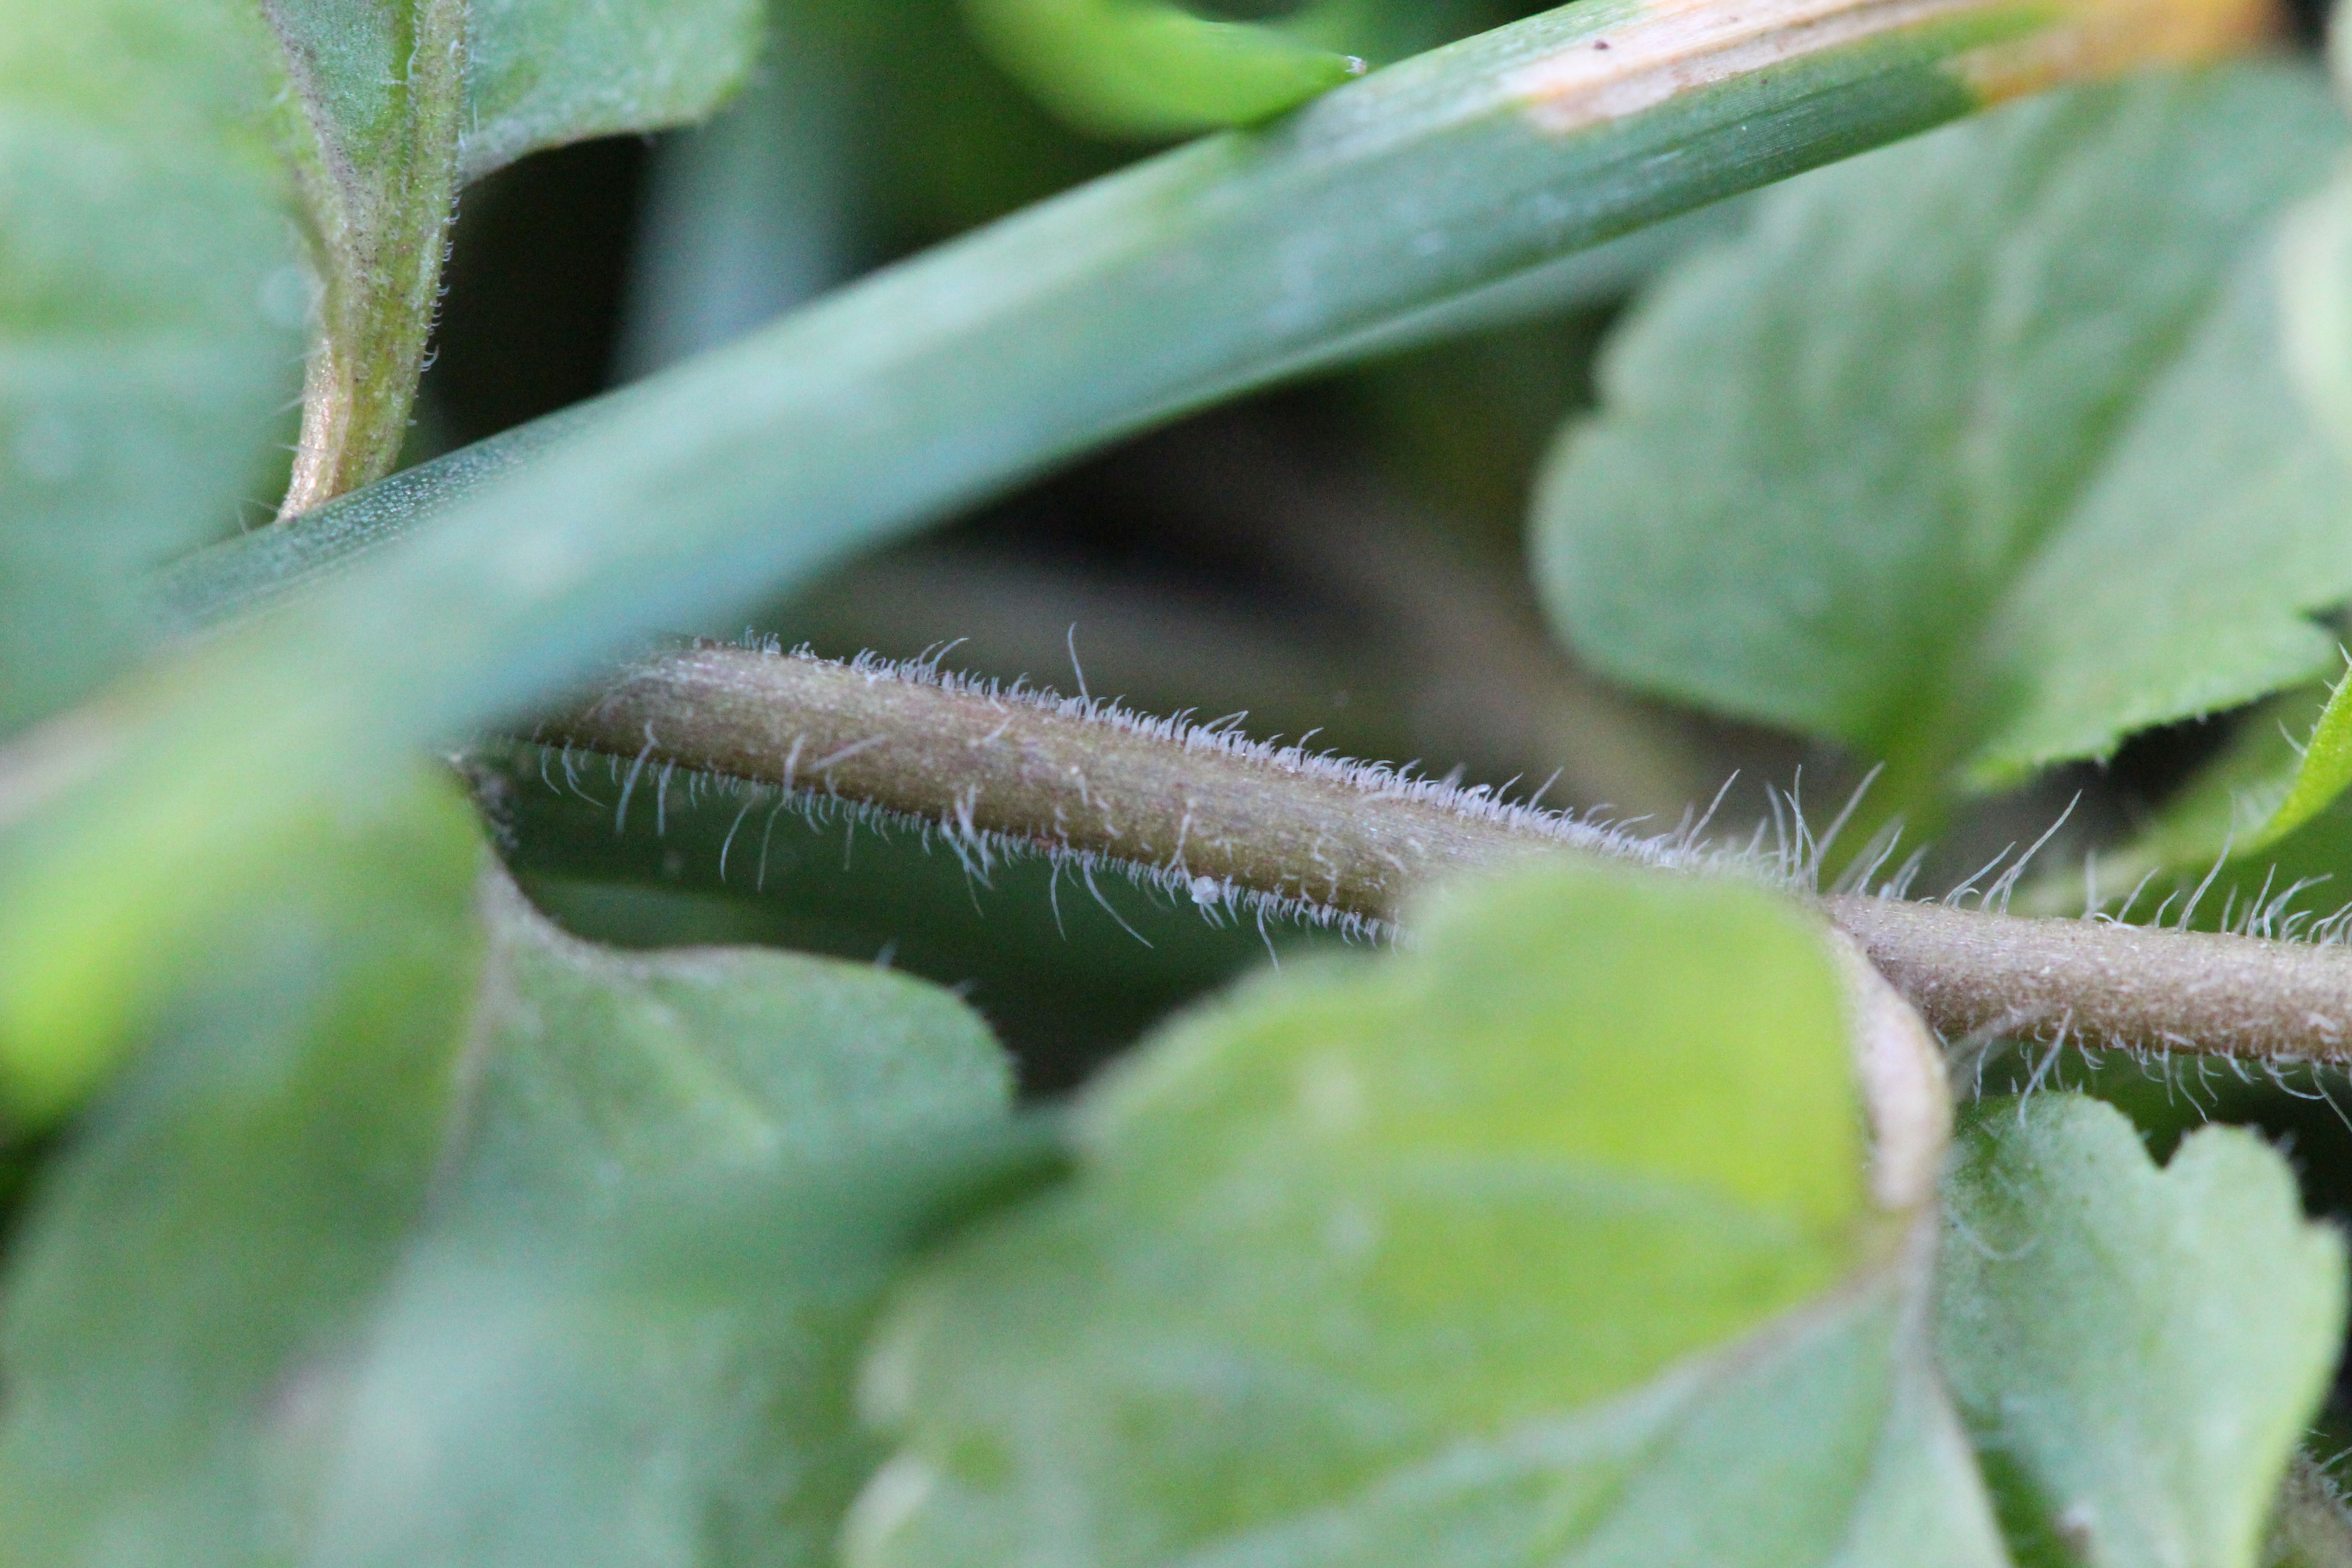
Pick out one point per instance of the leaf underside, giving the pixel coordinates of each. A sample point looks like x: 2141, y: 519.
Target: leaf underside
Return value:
x: 547, y: 72
x: 442, y: 1237
x: 2136, y: 1351
x: 1976, y: 453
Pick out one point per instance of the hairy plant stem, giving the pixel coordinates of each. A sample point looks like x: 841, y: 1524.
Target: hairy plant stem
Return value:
x: 1231, y: 821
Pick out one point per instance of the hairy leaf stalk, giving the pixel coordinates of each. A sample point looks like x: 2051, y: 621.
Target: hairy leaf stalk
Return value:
x: 379, y: 235
x: 1230, y: 820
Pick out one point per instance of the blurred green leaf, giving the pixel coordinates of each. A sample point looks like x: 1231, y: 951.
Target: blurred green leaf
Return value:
x: 223, y: 1223
x: 150, y: 315
x: 1152, y: 67
x: 371, y: 1263
x: 1978, y: 453
x: 2213, y: 859
x: 754, y: 213
x: 2136, y: 1351
x: 629, y: 1335
x: 944, y: 140
x: 544, y: 72
x: 2264, y: 815
x: 1512, y: 1249
x: 2269, y: 814
x: 2292, y: 761
x: 2258, y: 839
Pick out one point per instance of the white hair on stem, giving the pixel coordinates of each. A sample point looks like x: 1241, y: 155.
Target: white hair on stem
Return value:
x: 1199, y: 812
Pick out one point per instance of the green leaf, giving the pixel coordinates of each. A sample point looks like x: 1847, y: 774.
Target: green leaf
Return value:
x: 1978, y: 453
x: 2258, y: 791
x: 375, y: 1264
x: 2270, y: 785
x: 544, y: 72
x: 2214, y: 857
x: 1151, y: 68
x: 2136, y: 1350
x: 1512, y: 1249
x: 224, y: 1219
x: 2271, y: 807
x: 703, y: 1067
x: 630, y: 1333
x: 149, y: 317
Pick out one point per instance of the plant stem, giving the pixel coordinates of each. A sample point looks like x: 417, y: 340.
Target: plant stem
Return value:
x: 1223, y: 816
x: 1230, y: 821
x: 1973, y: 971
